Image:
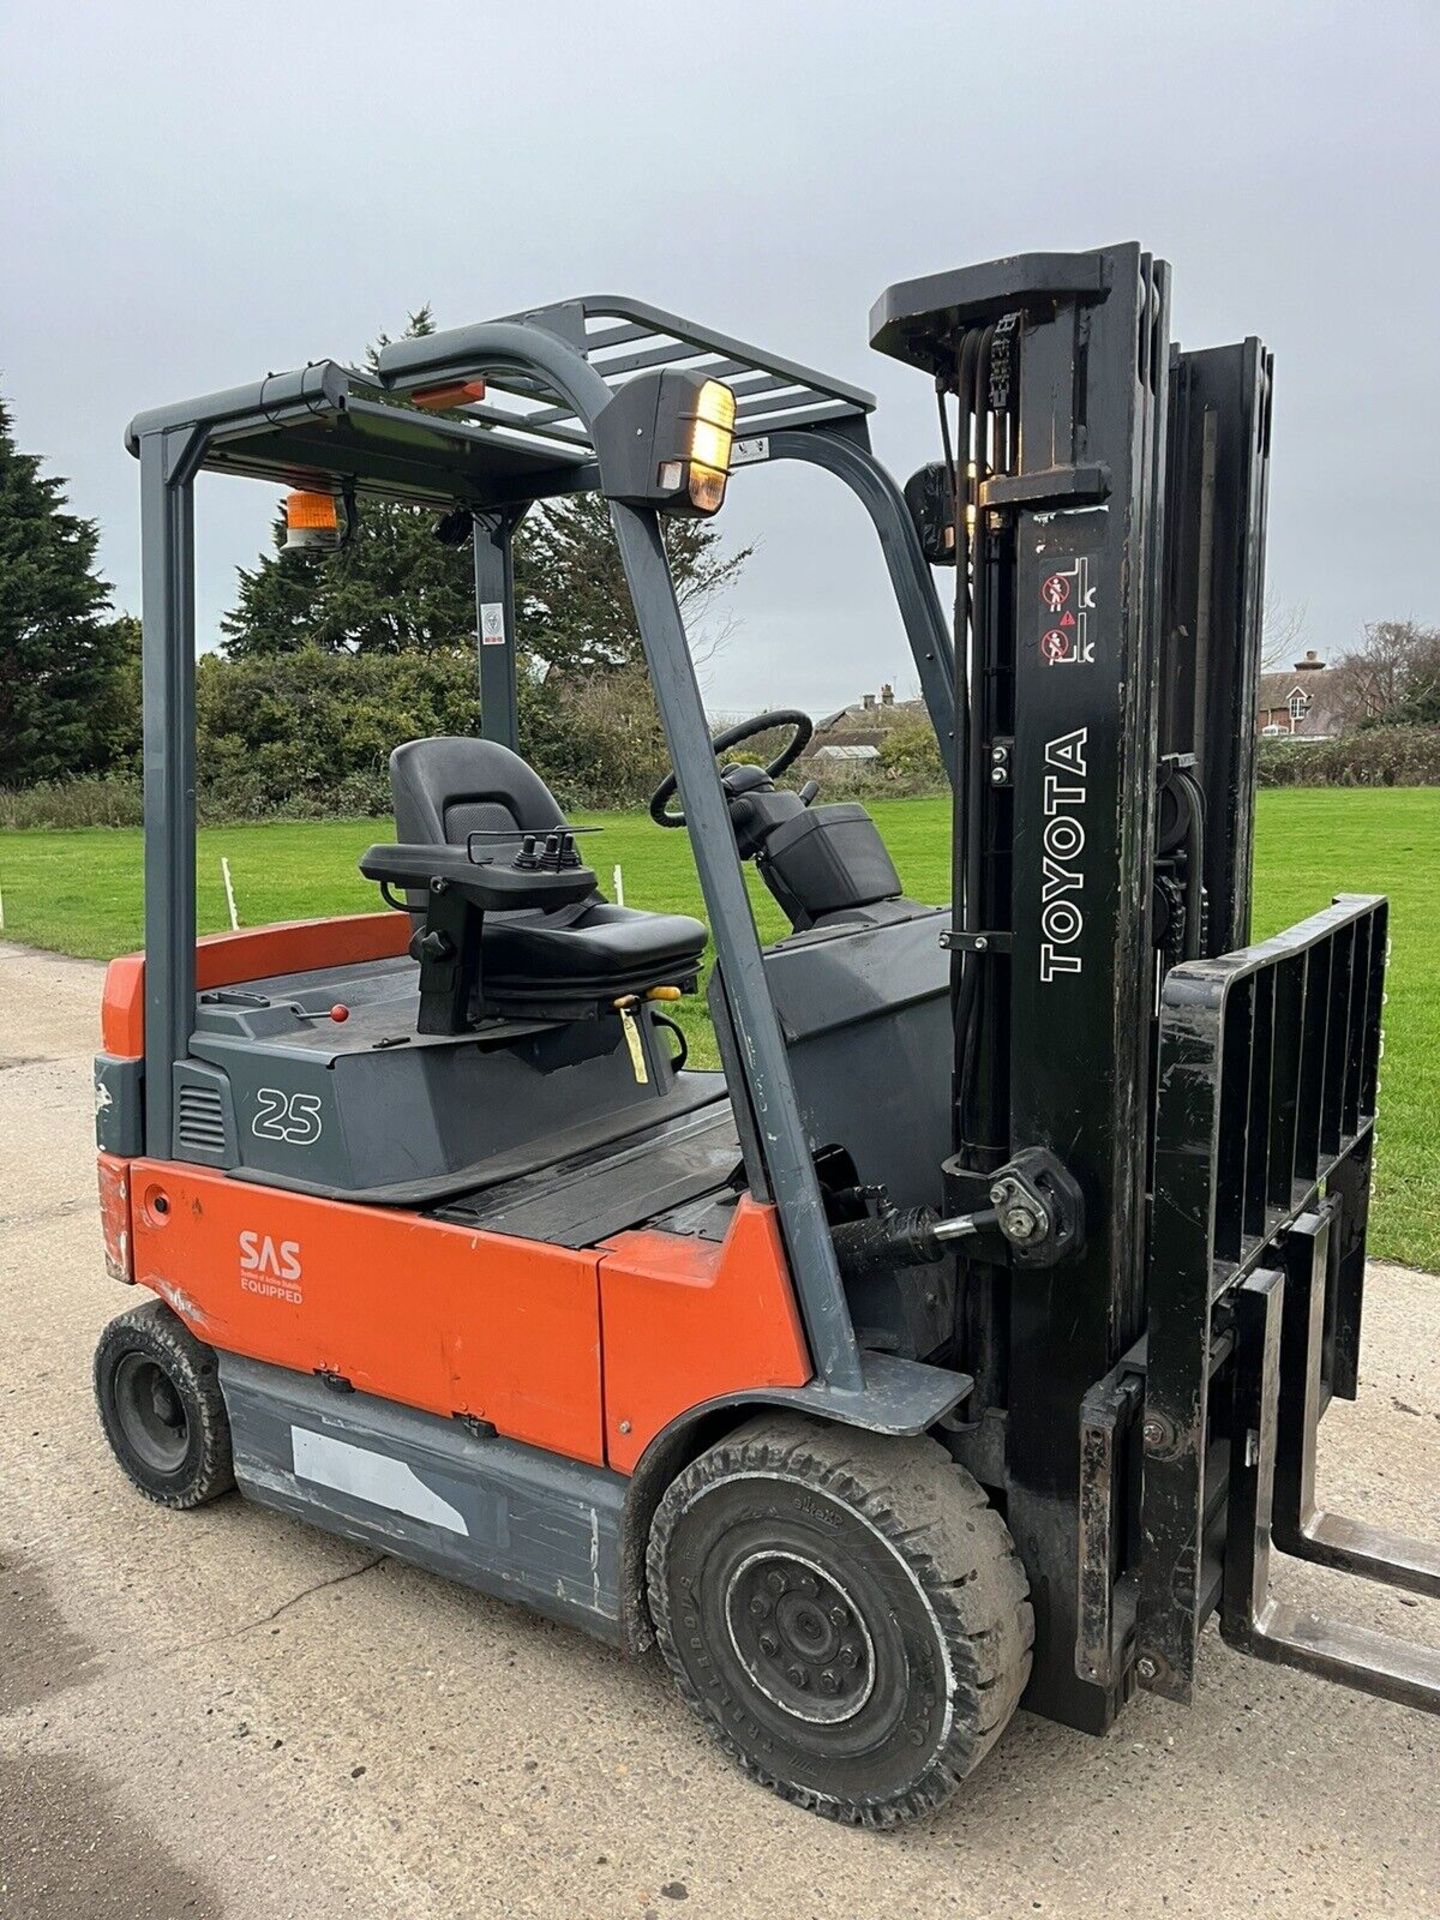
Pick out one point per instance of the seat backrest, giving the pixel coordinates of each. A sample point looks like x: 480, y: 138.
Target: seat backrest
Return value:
x: 449, y: 787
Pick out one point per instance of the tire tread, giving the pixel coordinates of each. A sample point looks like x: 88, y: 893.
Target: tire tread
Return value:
x: 939, y: 1520
x: 156, y: 1328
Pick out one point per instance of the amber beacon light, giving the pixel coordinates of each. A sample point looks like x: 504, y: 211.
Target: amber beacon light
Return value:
x: 311, y: 523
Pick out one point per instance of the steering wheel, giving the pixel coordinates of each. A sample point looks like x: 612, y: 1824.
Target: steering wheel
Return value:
x: 732, y: 736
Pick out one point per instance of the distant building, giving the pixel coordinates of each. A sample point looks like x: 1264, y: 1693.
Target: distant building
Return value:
x: 1302, y: 703
x: 851, y: 751
x: 863, y: 725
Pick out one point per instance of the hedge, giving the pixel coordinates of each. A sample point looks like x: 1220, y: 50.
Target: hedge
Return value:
x: 308, y: 736
x: 1369, y: 757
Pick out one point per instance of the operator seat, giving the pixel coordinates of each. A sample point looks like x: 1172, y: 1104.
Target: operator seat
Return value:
x: 447, y: 788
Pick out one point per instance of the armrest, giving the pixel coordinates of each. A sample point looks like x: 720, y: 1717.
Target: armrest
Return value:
x: 488, y: 885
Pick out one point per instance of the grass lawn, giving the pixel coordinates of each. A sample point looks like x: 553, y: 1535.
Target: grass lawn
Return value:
x: 79, y: 892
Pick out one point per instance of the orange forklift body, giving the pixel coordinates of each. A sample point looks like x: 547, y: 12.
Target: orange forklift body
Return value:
x: 553, y: 1347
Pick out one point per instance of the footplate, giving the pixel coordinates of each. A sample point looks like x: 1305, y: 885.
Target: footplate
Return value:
x: 1275, y: 1423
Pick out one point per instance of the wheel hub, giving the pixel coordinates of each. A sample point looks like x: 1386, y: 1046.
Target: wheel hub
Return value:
x: 151, y: 1412
x: 800, y: 1637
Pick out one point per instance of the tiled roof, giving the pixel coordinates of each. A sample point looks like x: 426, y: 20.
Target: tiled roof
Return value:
x: 1323, y: 717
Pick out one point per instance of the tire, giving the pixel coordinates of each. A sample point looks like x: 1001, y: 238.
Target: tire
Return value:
x: 846, y: 1612
x: 160, y: 1404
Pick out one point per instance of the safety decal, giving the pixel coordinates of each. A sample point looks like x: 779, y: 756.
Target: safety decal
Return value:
x: 1067, y: 601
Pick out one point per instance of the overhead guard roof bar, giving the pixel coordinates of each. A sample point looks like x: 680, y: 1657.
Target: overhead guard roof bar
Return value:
x: 773, y: 392
x: 525, y: 438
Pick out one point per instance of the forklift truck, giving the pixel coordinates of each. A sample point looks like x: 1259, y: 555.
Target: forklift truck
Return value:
x: 963, y: 1340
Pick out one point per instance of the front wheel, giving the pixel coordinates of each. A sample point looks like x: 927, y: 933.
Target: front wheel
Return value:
x: 847, y: 1612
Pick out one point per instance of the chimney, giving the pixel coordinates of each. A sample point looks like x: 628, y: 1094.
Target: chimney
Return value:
x: 887, y: 695
x: 1312, y: 663
x: 867, y: 701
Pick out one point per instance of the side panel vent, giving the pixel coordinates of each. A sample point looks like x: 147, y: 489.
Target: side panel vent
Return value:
x: 203, y: 1130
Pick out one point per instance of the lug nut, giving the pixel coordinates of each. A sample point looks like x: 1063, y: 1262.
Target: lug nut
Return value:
x: 839, y: 1617
x: 769, y: 1645
x: 759, y: 1606
x: 776, y: 1581
x: 829, y: 1681
x: 849, y: 1656
x: 798, y: 1677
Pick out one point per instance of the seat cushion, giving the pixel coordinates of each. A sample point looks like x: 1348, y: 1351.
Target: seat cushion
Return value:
x: 606, y: 947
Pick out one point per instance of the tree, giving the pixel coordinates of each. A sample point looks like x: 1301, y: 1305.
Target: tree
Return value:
x: 394, y: 588
x: 1282, y: 626
x: 116, y: 716
x: 911, y: 752
x: 59, y: 658
x: 310, y: 732
x: 572, y: 604
x: 1393, y: 676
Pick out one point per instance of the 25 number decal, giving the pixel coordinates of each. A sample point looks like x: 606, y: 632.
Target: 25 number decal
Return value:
x: 293, y: 1117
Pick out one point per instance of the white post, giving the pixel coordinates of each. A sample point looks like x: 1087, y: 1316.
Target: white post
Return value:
x: 619, y: 886
x: 229, y: 895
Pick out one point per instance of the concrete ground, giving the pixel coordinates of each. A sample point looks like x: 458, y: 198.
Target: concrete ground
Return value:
x: 226, y: 1714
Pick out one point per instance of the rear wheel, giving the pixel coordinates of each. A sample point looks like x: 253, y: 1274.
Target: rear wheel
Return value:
x: 160, y: 1404
x: 846, y: 1612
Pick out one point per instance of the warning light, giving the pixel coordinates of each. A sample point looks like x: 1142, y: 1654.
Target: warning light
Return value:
x: 450, y: 393
x: 311, y: 523
x: 665, y: 440
x: 710, y: 439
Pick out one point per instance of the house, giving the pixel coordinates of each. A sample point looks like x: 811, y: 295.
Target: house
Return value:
x: 839, y: 736
x: 1302, y: 703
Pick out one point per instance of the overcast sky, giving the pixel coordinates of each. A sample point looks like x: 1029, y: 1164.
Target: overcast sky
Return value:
x: 197, y: 194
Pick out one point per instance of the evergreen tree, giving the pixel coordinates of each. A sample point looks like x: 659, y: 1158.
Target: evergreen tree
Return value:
x: 394, y: 588
x: 572, y: 604
x: 59, y: 657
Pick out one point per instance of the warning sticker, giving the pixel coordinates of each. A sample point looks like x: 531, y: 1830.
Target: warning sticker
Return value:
x: 1068, y: 600
x: 492, y: 623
